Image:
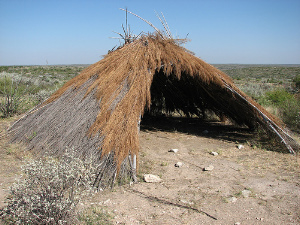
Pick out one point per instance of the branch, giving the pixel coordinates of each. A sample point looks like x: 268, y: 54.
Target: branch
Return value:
x: 149, y: 23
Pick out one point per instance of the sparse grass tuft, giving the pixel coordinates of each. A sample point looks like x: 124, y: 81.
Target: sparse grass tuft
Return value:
x: 95, y: 215
x: 164, y: 164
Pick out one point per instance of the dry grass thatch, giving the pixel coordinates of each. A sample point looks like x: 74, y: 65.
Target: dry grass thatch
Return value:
x: 97, y: 112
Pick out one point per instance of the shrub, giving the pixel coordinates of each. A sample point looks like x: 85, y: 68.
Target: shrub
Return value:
x: 256, y: 90
x: 9, y: 97
x: 290, y: 113
x: 287, y: 104
x: 15, y: 96
x: 278, y: 97
x: 49, y: 191
x: 296, y: 82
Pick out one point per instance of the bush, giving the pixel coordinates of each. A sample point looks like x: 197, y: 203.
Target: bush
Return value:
x: 278, y: 97
x: 49, y: 191
x: 10, y: 95
x: 256, y: 90
x: 290, y: 113
x: 287, y: 104
x: 15, y: 96
x: 296, y: 82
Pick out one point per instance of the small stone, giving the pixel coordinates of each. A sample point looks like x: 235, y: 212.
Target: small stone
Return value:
x: 173, y: 150
x: 208, y: 168
x: 186, y: 202
x: 258, y: 218
x: 246, y: 193
x: 214, y: 153
x: 237, y: 223
x: 106, y: 201
x: 240, y: 146
x: 232, y: 199
x: 178, y: 164
x: 150, y: 178
x: 205, y: 132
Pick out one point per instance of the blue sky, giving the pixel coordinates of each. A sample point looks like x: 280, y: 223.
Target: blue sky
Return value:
x: 37, y: 32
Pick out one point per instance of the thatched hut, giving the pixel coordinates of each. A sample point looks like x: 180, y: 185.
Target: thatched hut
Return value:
x: 97, y: 113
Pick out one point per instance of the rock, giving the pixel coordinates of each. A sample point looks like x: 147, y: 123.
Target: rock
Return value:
x: 237, y: 223
x: 240, y: 146
x: 261, y: 219
x: 246, y: 193
x: 178, y: 164
x: 214, y: 153
x: 208, y: 168
x: 106, y: 201
x: 205, y: 132
x: 150, y: 178
x: 173, y: 150
x: 186, y: 202
x: 232, y: 199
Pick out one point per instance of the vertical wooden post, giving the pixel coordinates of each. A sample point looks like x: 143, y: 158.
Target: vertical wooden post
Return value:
x: 133, y: 164
x: 134, y: 169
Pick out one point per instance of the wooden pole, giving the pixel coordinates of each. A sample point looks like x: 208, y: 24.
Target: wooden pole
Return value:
x: 133, y: 163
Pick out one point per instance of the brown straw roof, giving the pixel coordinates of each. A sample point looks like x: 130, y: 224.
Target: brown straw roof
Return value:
x: 97, y: 112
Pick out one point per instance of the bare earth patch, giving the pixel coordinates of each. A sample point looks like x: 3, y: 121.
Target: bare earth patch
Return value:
x: 10, y: 161
x: 188, y: 194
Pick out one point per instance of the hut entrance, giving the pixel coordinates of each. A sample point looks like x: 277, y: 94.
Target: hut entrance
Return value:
x: 184, y: 105
x: 173, y: 96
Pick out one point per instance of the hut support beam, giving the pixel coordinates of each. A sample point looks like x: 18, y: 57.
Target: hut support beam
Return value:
x: 134, y: 169
x: 133, y: 163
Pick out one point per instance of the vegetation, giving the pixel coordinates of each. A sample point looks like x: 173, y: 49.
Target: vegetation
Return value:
x: 283, y: 74
x: 296, y: 82
x: 48, y: 191
x: 62, y: 72
x: 95, y: 215
x: 23, y: 87
x: 10, y: 97
x: 288, y: 106
x: 275, y: 87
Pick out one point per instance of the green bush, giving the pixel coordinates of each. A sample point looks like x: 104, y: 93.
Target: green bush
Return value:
x: 290, y: 113
x: 296, y: 82
x: 278, y: 97
x: 10, y: 96
x: 23, y: 87
x: 17, y: 96
x: 48, y: 191
x: 287, y: 104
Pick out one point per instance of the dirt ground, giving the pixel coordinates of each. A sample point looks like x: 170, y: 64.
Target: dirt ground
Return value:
x: 188, y: 194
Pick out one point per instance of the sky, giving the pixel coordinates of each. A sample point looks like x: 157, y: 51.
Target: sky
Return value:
x: 52, y: 32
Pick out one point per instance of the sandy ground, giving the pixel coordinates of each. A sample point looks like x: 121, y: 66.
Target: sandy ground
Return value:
x: 187, y: 194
